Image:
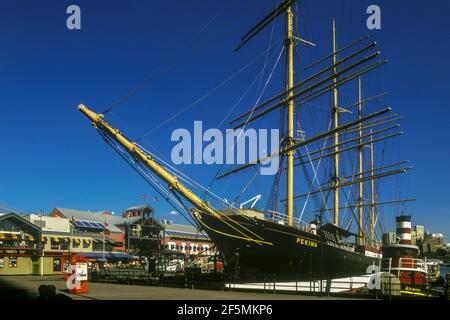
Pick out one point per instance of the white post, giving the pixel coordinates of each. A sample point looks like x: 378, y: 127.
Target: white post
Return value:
x: 42, y: 262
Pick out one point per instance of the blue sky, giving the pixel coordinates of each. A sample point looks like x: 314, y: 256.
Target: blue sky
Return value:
x: 51, y: 156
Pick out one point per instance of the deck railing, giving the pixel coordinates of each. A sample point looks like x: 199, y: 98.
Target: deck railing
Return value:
x: 406, y: 264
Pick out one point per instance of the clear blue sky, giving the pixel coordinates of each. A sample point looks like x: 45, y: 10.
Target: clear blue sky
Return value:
x: 51, y: 157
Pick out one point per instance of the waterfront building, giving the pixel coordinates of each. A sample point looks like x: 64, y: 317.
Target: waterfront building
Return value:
x: 48, y: 223
x: 186, y: 239
x: 413, y: 238
x: 102, y: 226
x: 142, y: 231
x: 59, y: 242
x: 420, y: 232
x: 20, y: 246
x: 43, y: 245
x: 389, y: 238
x: 432, y: 244
x: 138, y: 211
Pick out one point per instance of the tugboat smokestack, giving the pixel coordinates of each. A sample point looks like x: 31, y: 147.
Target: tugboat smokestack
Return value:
x: 403, y: 231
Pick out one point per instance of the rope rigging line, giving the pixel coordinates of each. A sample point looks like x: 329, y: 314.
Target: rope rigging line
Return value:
x: 165, y: 67
x: 220, y: 216
x: 181, y: 175
x: 273, y: 201
x: 256, y: 103
x: 245, y: 187
x: 204, y: 96
x: 231, y: 111
x: 148, y: 178
x: 315, y: 179
x: 314, y: 169
x: 152, y: 180
x: 267, y: 54
x: 354, y: 168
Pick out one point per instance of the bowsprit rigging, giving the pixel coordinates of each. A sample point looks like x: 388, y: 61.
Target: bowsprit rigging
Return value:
x: 278, y: 240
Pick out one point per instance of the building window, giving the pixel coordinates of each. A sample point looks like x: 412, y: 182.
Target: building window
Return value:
x: 39, y: 223
x: 2, y: 263
x: 56, y: 264
x: 85, y: 244
x: 54, y: 245
x: 13, y: 262
x: 75, y: 244
x: 66, y: 266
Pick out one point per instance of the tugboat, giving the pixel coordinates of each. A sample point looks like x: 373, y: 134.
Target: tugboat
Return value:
x: 402, y: 259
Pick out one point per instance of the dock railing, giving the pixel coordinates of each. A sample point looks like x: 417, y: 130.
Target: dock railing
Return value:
x: 364, y: 286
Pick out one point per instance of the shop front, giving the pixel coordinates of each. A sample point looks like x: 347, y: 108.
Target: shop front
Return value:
x: 20, y: 246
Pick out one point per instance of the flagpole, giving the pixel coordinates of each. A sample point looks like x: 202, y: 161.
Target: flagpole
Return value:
x: 42, y: 248
x: 70, y: 245
x: 128, y: 246
x: 104, y: 241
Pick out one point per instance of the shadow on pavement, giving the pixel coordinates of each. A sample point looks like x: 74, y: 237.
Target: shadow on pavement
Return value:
x: 9, y: 291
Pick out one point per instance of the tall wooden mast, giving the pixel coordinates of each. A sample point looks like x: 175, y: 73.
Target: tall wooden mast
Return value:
x: 290, y: 84
x: 336, y: 135
x: 360, y: 162
x: 372, y: 192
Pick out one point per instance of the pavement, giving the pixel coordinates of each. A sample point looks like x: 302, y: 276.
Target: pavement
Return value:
x: 26, y: 287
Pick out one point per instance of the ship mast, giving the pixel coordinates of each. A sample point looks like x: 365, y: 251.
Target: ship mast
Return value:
x: 372, y: 193
x: 336, y: 135
x: 290, y: 84
x: 360, y: 162
x: 172, y: 181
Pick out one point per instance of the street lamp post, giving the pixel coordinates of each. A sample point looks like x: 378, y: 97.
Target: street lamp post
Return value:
x: 41, y: 246
x: 104, y: 242
x: 70, y: 244
x: 128, y: 240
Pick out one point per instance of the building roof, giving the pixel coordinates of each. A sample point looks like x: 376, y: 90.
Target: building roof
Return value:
x: 20, y: 219
x: 144, y: 206
x: 99, y: 217
x: 169, y: 226
x: 130, y: 220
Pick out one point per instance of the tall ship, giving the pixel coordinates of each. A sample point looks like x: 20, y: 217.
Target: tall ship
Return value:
x: 339, y: 238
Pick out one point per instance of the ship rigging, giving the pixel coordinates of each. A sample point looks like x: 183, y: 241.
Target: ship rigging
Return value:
x: 253, y: 241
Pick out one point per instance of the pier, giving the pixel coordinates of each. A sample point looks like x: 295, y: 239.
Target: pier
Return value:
x: 26, y: 287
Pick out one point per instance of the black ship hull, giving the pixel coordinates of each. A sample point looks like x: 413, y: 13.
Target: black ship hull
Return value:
x: 284, y: 252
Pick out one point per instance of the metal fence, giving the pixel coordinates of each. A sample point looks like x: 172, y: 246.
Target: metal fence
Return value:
x: 386, y: 286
